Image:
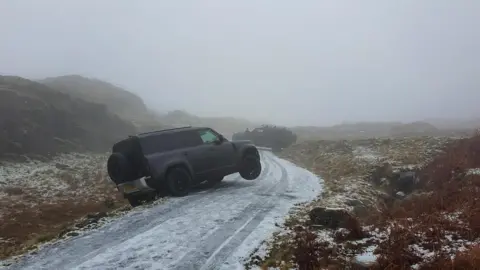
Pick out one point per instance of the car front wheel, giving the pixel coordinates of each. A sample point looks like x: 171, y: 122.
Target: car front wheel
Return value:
x: 250, y: 168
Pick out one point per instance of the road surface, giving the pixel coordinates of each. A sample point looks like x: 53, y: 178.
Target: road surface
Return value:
x: 214, y: 228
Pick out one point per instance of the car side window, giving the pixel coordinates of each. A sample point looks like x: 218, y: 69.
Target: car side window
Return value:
x: 189, y: 139
x: 208, y: 136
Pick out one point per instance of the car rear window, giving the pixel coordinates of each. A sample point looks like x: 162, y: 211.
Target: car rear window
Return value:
x: 170, y: 141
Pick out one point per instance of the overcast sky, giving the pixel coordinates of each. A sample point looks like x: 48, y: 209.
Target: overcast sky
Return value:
x: 291, y: 62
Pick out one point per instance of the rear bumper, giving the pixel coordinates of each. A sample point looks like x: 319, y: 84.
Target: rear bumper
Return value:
x: 136, y: 186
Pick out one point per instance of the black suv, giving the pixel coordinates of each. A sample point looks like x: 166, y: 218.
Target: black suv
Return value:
x: 174, y: 160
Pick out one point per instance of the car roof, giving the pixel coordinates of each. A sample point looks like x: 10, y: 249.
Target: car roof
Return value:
x: 139, y: 136
x: 168, y: 131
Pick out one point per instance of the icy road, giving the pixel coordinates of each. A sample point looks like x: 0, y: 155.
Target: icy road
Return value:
x: 211, y: 229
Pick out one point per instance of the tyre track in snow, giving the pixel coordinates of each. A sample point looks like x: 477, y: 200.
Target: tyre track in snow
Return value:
x: 221, y: 243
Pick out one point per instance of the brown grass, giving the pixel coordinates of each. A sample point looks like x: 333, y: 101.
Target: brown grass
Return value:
x: 449, y: 207
x: 441, y: 219
x: 26, y: 220
x: 26, y: 227
x: 13, y: 191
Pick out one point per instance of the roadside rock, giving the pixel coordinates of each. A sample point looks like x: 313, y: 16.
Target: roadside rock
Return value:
x: 330, y: 217
x: 72, y: 234
x: 90, y: 219
x: 400, y: 195
x: 406, y: 182
x: 61, y: 166
x: 381, y: 173
x: 97, y: 216
x: 361, y: 210
x: 360, y: 263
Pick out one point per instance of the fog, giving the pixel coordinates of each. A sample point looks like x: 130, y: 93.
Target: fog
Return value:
x: 289, y: 62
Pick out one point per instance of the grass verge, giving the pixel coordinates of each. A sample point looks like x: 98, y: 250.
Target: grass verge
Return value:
x: 435, y: 227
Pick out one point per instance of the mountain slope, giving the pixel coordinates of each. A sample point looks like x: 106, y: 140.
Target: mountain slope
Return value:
x: 118, y: 100
x: 35, y: 119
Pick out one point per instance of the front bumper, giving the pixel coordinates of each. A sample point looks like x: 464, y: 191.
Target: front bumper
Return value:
x: 135, y: 186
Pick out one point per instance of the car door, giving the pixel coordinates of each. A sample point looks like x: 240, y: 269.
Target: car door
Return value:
x: 221, y: 153
x: 196, y: 152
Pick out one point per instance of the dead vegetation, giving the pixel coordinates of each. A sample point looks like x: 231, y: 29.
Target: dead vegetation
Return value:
x: 436, y: 225
x: 25, y: 228
x: 429, y: 229
x: 41, y: 200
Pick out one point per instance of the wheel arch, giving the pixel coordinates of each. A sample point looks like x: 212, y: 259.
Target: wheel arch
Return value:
x: 250, y: 150
x: 177, y: 163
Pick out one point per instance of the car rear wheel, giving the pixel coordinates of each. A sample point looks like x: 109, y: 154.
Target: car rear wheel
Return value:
x: 179, y: 181
x: 250, y: 168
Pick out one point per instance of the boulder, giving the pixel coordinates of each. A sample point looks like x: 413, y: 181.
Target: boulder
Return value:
x: 381, y: 173
x: 363, y: 262
x: 400, y: 195
x: 61, y: 166
x: 331, y: 217
x: 96, y: 216
x: 405, y: 182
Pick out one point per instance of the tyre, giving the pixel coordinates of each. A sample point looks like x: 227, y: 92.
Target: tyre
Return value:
x: 118, y: 167
x: 179, y: 181
x: 250, y: 168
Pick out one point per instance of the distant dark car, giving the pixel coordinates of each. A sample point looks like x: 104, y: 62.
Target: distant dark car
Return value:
x: 273, y: 137
x: 174, y: 160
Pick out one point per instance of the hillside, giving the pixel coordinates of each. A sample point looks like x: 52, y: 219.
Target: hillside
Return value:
x: 35, y: 119
x: 131, y: 107
x: 346, y: 130
x: 455, y: 123
x: 363, y: 130
x: 117, y: 100
x: 414, y: 128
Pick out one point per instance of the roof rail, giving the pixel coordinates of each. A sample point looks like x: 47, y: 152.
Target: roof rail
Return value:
x: 161, y: 130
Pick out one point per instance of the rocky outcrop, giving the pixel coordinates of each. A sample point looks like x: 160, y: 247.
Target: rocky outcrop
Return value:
x: 398, y: 181
x: 332, y: 218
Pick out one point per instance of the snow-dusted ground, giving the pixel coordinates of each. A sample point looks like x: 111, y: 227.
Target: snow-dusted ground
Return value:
x: 213, y: 229
x: 62, y: 177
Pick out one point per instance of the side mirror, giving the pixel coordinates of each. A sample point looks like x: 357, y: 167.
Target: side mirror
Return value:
x: 220, y: 140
